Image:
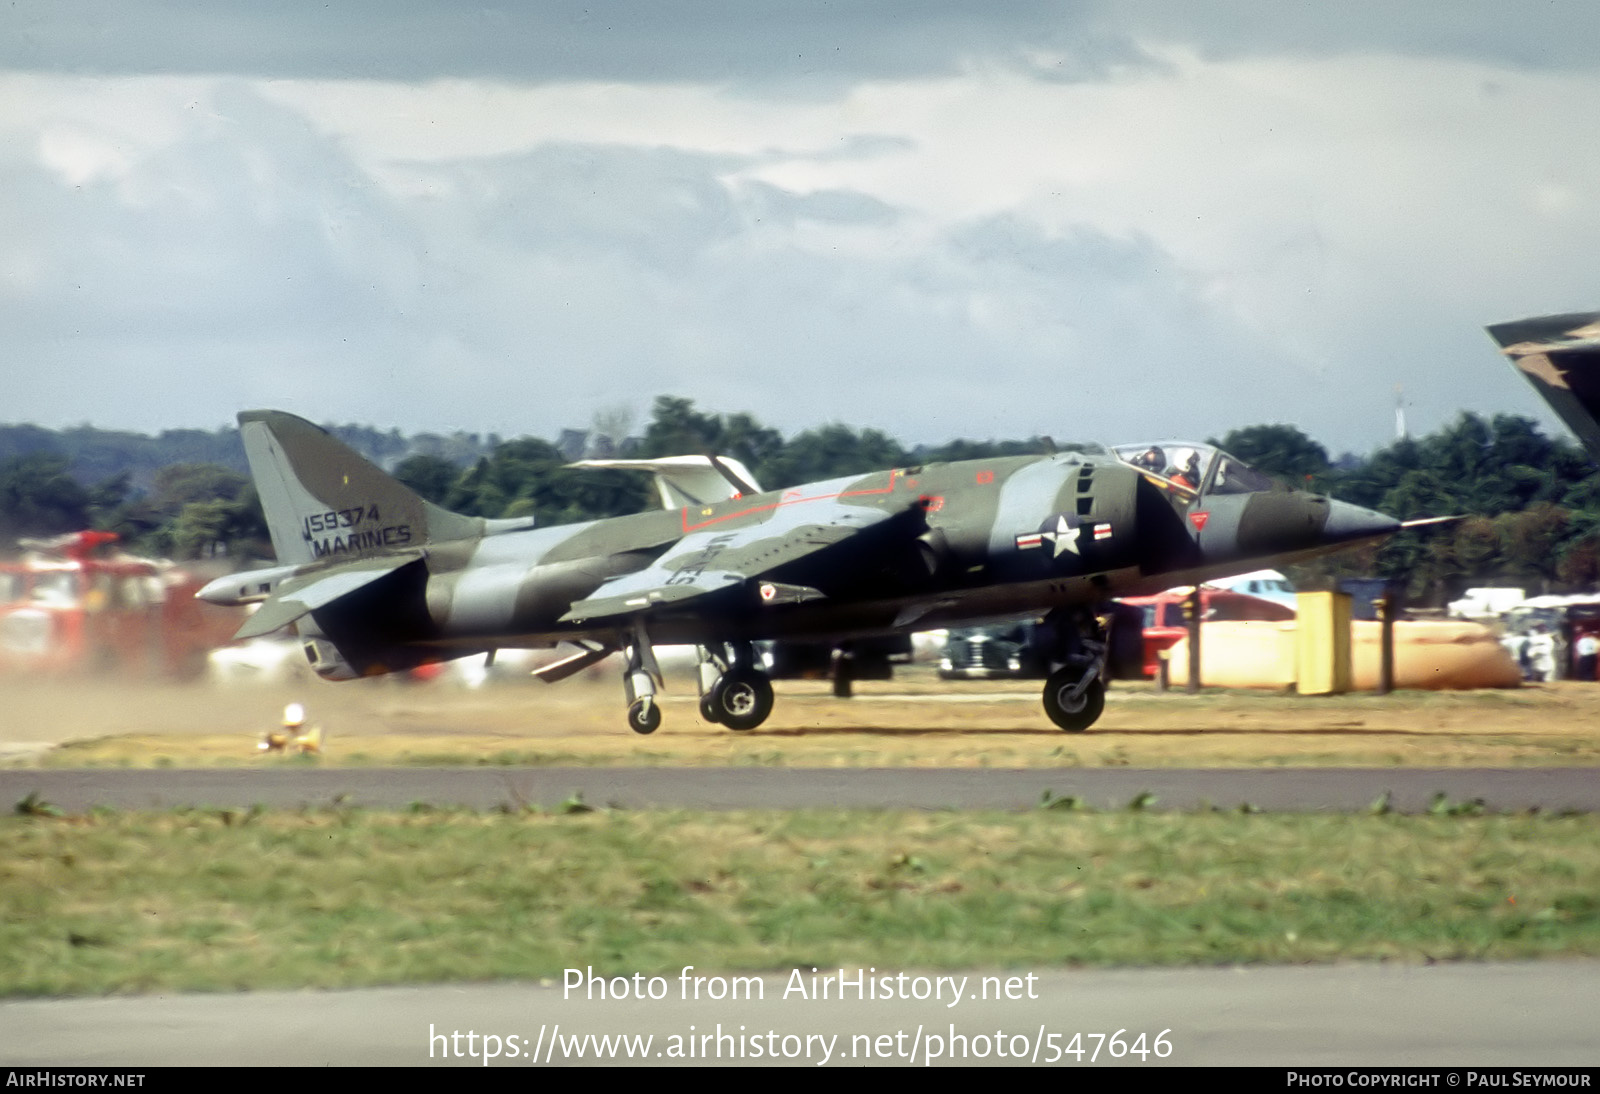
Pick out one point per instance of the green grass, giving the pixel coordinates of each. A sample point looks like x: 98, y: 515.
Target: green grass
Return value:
x: 215, y: 900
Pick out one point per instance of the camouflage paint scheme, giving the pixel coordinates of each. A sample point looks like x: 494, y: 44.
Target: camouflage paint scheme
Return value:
x: 375, y: 579
x: 1560, y: 356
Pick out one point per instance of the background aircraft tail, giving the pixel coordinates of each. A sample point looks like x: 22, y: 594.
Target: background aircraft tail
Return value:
x: 1560, y: 356
x: 323, y: 500
x: 683, y: 481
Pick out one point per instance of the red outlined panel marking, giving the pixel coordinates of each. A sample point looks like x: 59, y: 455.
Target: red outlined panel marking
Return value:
x: 790, y: 497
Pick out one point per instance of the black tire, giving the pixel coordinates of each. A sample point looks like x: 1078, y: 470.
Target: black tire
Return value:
x: 644, y: 717
x: 708, y: 704
x: 1079, y: 715
x: 743, y: 699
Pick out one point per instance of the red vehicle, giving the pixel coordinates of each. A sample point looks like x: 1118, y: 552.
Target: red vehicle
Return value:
x: 1164, y: 623
x: 75, y: 604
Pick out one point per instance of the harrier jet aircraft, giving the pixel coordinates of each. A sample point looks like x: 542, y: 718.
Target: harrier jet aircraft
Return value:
x: 375, y: 579
x: 1560, y: 356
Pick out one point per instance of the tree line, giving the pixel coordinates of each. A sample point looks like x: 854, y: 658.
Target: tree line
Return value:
x: 1530, y: 503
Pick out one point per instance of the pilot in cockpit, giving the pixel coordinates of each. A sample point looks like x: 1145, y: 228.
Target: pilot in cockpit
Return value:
x: 1188, y: 473
x: 1152, y: 460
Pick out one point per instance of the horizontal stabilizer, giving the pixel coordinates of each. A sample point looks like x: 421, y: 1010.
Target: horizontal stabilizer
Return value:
x: 683, y: 481
x: 297, y: 596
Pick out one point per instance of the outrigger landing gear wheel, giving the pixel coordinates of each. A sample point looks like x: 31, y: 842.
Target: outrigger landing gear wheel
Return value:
x: 640, y: 680
x: 644, y: 716
x: 1072, y: 709
x: 742, y: 700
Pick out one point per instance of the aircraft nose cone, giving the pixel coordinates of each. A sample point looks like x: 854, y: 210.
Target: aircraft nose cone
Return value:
x: 1348, y: 522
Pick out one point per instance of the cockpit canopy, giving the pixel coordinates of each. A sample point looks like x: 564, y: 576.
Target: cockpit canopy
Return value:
x: 1192, y: 468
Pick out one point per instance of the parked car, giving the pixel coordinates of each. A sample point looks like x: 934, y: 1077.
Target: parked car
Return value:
x: 981, y: 653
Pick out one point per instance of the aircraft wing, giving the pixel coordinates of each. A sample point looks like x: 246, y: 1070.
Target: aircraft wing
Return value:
x: 714, y: 559
x: 1560, y: 356
x: 299, y: 595
x: 689, y: 480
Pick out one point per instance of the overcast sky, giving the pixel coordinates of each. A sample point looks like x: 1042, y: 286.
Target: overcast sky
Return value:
x: 1088, y: 220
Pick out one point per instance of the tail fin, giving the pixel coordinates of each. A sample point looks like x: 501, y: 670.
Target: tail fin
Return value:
x: 1560, y: 356
x: 323, y: 500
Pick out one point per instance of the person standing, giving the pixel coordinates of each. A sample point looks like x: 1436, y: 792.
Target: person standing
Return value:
x: 1542, y: 654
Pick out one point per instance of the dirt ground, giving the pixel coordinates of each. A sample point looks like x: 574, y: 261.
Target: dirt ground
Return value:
x: 914, y: 720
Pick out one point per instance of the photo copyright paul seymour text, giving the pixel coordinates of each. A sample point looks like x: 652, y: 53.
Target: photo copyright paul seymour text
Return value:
x: 1461, y: 1079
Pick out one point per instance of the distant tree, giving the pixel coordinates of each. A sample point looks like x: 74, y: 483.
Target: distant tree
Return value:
x: 752, y: 443
x: 380, y: 447
x: 185, y: 483
x: 677, y: 429
x: 109, y: 496
x: 39, y: 498
x: 206, y: 529
x: 430, y: 476
x: 529, y: 477
x: 1530, y: 543
x: 830, y: 452
x: 1278, y: 450
x: 21, y: 440
x: 194, y: 510
x: 477, y: 493
x: 957, y: 450
x: 1579, y: 564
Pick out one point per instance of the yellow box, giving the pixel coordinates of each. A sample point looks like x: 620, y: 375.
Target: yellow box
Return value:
x: 1322, y: 643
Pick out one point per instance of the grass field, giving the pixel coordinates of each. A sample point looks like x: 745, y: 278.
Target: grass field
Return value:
x: 209, y: 900
x: 203, y: 900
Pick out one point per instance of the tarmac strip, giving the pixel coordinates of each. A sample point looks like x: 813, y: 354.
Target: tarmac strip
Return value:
x: 1288, y: 790
x: 1453, y: 1017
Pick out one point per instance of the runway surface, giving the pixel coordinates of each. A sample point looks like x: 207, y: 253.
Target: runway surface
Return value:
x: 1269, y: 789
x: 1446, y: 1016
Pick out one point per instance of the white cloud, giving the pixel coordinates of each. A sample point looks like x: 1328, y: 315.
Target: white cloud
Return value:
x: 1278, y: 237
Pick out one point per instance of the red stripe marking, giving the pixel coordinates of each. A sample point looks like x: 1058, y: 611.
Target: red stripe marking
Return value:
x: 785, y: 500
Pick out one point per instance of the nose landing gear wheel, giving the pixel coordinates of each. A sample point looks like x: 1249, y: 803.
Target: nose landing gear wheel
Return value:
x: 644, y: 716
x: 1073, y: 713
x: 743, y: 700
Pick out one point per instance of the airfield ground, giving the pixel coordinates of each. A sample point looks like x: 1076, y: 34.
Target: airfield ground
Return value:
x: 140, y: 902
x: 914, y: 720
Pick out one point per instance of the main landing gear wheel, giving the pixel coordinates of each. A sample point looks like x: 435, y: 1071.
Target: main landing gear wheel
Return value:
x: 644, y: 716
x: 741, y: 701
x: 1073, y: 713
x: 708, y: 704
